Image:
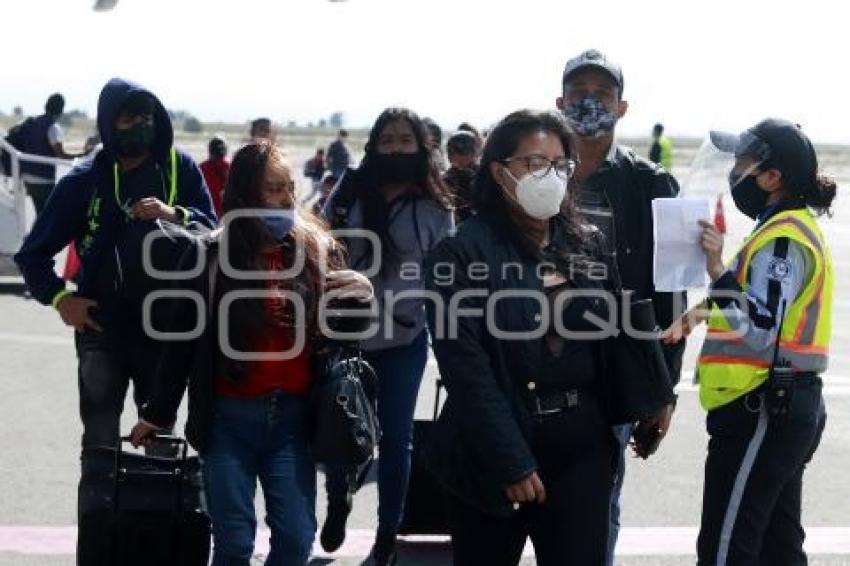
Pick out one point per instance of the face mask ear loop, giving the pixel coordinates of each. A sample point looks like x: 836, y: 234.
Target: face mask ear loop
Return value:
x: 509, y: 194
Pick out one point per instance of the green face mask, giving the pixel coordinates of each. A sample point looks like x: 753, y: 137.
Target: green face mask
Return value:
x: 135, y: 140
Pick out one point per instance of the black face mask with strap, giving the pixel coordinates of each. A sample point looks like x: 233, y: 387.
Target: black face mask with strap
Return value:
x: 135, y: 140
x: 391, y: 168
x: 748, y: 197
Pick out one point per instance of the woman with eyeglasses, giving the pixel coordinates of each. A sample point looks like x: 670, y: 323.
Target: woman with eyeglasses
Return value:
x: 523, y: 445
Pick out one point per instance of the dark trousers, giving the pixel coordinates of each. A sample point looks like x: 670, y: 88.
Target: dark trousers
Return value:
x: 108, y: 361
x: 754, y: 481
x: 575, y: 453
x: 39, y: 193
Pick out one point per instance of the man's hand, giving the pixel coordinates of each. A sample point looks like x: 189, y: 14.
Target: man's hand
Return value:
x: 527, y: 490
x: 685, y: 324
x: 151, y: 208
x: 655, y: 428
x: 143, y: 433
x: 75, y: 312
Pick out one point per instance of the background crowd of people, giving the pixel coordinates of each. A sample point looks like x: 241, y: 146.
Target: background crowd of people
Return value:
x: 532, y: 439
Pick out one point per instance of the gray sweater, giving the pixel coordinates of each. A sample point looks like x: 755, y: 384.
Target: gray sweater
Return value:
x: 416, y: 225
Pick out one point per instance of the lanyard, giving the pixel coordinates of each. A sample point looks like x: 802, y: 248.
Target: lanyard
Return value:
x: 172, y: 193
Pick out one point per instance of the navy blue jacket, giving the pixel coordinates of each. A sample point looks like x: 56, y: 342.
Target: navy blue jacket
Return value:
x: 34, y: 141
x: 83, y: 207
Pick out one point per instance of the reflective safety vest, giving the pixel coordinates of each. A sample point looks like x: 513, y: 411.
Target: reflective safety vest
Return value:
x: 666, y: 153
x: 727, y: 367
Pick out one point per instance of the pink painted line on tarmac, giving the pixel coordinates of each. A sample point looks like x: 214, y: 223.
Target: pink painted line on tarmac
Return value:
x: 633, y: 541
x: 59, y: 540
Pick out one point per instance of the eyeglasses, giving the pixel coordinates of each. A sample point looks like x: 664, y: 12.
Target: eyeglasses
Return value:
x: 540, y: 166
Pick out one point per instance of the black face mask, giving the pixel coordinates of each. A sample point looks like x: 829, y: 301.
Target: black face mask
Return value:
x: 748, y: 197
x: 389, y: 168
x: 467, y: 174
x: 135, y: 140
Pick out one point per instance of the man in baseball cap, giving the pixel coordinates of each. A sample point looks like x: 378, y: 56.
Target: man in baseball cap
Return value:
x: 615, y: 189
x: 593, y: 58
x: 593, y: 94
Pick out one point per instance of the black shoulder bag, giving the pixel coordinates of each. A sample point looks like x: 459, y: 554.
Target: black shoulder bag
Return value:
x: 345, y: 428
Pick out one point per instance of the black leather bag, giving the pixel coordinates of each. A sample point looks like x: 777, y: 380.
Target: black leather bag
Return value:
x: 344, y: 426
x: 637, y: 373
x: 141, y: 510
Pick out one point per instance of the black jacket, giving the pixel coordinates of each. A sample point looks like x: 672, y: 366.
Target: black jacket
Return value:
x: 198, y: 363
x: 481, y: 440
x: 630, y: 183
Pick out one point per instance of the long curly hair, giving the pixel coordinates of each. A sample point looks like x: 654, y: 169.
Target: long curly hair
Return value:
x: 250, y: 243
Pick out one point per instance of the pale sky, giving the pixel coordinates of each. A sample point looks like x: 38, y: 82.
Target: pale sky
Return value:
x: 691, y: 65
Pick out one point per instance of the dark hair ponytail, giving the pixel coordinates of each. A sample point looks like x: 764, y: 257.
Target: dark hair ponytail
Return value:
x: 820, y: 194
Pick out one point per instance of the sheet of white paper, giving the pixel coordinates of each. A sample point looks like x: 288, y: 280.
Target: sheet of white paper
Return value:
x: 679, y: 262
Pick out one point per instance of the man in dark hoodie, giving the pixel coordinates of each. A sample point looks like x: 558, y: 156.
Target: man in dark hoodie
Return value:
x: 138, y: 177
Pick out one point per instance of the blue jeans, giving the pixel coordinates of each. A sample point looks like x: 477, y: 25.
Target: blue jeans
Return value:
x: 622, y: 433
x: 260, y: 438
x: 399, y: 372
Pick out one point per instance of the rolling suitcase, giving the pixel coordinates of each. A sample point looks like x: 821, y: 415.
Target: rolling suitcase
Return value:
x: 424, y: 508
x: 139, y: 510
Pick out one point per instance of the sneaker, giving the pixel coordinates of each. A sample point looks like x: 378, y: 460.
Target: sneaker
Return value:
x: 333, y: 531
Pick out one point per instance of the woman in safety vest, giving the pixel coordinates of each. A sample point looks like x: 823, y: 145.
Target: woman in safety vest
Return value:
x: 767, y: 343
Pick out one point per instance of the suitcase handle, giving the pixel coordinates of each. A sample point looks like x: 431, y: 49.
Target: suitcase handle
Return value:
x: 160, y: 439
x: 179, y: 473
x: 152, y: 475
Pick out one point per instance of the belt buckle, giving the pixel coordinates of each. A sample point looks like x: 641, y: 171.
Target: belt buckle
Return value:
x: 540, y: 412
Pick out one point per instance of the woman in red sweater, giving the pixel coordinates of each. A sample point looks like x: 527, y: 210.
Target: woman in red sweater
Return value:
x: 250, y: 370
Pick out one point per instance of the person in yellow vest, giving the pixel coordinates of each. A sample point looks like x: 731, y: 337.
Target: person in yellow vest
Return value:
x: 767, y: 344
x: 661, y: 150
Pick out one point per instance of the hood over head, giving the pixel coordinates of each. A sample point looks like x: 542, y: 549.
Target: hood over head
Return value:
x: 112, y: 99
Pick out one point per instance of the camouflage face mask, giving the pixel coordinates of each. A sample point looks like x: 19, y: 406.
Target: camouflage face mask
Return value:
x: 589, y: 117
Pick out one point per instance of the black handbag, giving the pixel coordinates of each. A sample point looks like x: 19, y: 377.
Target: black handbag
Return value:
x: 139, y: 510
x: 345, y: 429
x: 637, y: 374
